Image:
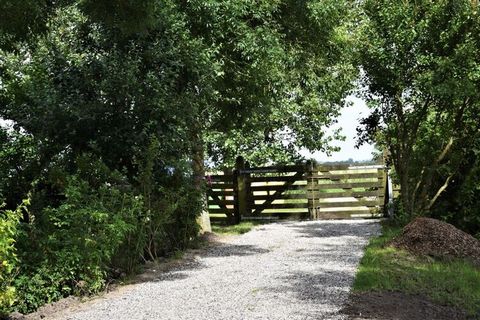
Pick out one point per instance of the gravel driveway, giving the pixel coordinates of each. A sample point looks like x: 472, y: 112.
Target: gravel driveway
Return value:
x: 291, y: 270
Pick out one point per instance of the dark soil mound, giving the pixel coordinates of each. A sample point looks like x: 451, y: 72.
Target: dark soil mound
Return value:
x: 426, y: 236
x: 398, y: 306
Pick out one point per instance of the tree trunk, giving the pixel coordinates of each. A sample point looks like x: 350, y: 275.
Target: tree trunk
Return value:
x: 198, y: 158
x: 401, y: 163
x: 407, y: 202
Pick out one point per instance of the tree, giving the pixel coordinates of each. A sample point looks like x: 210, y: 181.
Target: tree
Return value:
x: 23, y: 21
x: 78, y: 82
x: 421, y: 63
x: 284, y: 73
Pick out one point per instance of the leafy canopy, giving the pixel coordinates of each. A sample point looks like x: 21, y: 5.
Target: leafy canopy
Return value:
x: 421, y: 67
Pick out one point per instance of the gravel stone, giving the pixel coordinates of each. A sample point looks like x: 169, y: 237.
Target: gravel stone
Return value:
x: 289, y: 270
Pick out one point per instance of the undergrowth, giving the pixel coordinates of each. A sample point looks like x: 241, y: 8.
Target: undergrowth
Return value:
x: 241, y: 228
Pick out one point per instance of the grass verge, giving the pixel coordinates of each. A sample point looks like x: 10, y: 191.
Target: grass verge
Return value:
x: 241, y: 228
x: 385, y: 268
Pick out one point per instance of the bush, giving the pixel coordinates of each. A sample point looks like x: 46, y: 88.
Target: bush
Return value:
x: 86, y: 228
x: 18, y: 165
x: 9, y: 221
x: 75, y: 243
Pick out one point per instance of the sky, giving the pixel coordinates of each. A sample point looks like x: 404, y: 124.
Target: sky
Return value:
x: 4, y: 123
x: 348, y: 121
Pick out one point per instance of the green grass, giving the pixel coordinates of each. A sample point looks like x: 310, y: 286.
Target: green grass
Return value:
x: 384, y: 268
x: 241, y: 228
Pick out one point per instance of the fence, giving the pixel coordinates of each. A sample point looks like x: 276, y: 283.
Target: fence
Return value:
x: 304, y: 191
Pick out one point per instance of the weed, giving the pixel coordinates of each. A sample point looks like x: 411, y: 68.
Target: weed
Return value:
x: 241, y: 228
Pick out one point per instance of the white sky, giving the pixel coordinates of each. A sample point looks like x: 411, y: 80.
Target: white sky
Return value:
x: 348, y: 121
x: 3, y: 123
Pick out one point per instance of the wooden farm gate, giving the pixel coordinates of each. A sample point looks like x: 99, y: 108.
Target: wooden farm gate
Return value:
x: 304, y: 191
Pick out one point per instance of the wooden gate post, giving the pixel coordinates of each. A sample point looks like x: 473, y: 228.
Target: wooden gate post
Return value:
x: 310, y: 165
x: 388, y: 200
x: 250, y: 202
x: 242, y: 190
x: 387, y: 182
x: 236, y: 213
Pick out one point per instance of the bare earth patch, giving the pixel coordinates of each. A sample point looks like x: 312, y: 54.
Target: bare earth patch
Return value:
x: 398, y: 306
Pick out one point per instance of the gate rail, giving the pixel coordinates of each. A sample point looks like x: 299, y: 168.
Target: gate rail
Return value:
x: 304, y: 191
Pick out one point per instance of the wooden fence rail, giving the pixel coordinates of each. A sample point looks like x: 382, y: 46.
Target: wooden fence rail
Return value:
x: 305, y: 191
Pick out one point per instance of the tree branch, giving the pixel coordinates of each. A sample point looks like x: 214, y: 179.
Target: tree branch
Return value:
x: 445, y: 151
x: 401, y: 127
x: 439, y: 192
x: 419, y: 183
x: 423, y: 196
x: 418, y: 119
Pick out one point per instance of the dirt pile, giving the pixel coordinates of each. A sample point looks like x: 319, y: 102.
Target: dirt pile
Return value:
x: 426, y: 236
